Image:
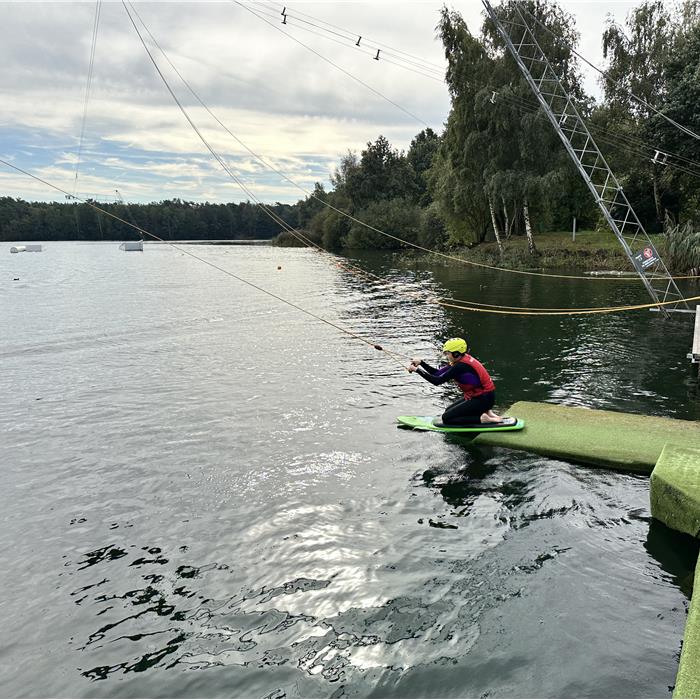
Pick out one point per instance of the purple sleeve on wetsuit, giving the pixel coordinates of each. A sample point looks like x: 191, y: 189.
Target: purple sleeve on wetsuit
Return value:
x: 469, y: 378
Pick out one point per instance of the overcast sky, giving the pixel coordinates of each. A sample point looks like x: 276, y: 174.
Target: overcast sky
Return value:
x: 283, y: 100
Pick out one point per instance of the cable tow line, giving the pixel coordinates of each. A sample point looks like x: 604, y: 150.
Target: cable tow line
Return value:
x: 395, y: 355
x: 399, y: 357
x: 88, y: 86
x: 350, y: 216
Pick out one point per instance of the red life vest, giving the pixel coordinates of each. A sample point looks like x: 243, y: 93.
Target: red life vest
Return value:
x: 485, y: 381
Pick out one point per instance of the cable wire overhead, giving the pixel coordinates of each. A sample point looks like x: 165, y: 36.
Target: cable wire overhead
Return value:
x: 641, y: 100
x: 93, y: 45
x: 324, y: 202
x: 332, y: 63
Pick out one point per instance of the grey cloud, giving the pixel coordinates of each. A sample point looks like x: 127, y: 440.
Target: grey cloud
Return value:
x: 270, y: 91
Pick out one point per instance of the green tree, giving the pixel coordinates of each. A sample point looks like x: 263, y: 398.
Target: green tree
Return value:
x: 527, y: 166
x: 310, y: 206
x: 456, y: 176
x: 682, y: 192
x: 638, y: 59
x: 420, y: 157
x: 398, y: 217
x: 382, y: 173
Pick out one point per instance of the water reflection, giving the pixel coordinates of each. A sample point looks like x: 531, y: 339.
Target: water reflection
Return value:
x: 190, y: 541
x: 344, y: 633
x: 676, y: 554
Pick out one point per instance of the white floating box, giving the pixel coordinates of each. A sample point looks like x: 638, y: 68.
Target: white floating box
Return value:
x: 131, y: 245
x: 29, y: 248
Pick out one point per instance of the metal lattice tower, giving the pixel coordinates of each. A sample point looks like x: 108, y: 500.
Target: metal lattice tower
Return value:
x: 520, y: 38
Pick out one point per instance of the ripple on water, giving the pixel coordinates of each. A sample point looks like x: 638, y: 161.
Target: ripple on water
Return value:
x: 183, y: 518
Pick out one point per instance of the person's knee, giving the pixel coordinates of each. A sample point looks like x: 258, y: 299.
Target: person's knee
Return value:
x: 448, y: 415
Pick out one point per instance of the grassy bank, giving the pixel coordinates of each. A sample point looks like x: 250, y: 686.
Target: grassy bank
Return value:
x: 591, y: 250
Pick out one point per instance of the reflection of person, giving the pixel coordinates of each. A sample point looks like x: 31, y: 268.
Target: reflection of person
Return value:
x: 471, y: 377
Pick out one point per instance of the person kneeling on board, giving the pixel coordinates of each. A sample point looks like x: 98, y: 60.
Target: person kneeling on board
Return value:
x: 471, y: 377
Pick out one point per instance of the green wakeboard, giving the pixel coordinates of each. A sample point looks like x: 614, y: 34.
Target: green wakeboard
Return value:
x: 433, y: 423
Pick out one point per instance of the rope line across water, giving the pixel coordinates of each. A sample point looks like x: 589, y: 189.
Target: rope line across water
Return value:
x: 328, y: 204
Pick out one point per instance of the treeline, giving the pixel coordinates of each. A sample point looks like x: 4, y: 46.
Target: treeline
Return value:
x: 170, y: 220
x: 498, y: 169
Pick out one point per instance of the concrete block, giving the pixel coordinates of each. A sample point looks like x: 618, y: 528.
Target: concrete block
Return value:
x: 675, y: 489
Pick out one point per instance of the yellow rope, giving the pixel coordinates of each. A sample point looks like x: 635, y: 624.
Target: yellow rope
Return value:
x: 609, y: 310
x: 461, y: 305
x: 603, y: 309
x: 456, y: 303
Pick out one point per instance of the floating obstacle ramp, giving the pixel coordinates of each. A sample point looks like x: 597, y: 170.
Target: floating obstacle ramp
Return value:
x: 617, y: 440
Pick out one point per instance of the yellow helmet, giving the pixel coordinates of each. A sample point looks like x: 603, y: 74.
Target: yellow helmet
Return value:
x: 455, y: 345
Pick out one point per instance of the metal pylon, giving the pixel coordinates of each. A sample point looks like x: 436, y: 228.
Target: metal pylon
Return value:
x: 521, y: 41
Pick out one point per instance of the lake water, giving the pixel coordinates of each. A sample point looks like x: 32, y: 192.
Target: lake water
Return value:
x: 203, y: 491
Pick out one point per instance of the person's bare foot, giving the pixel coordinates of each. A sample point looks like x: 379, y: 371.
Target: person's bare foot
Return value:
x: 488, y: 418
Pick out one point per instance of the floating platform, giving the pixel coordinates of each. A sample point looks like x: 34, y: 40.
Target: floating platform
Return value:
x: 132, y: 245
x: 622, y: 441
x: 29, y: 248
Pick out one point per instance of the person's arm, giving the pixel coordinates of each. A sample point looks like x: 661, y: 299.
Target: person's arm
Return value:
x: 457, y: 371
x: 437, y: 376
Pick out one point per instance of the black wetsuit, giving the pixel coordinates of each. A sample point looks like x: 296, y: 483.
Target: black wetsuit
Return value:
x: 463, y: 411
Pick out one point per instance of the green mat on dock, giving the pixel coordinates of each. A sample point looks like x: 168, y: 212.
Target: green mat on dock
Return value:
x: 688, y: 677
x: 675, y: 501
x: 617, y: 440
x: 675, y: 489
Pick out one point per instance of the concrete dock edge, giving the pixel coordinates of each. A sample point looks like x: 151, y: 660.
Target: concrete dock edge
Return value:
x: 674, y: 492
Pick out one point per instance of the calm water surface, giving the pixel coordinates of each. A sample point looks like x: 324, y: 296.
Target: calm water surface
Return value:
x: 203, y: 491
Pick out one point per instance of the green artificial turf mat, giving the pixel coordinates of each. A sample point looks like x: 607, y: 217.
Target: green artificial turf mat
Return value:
x: 605, y: 438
